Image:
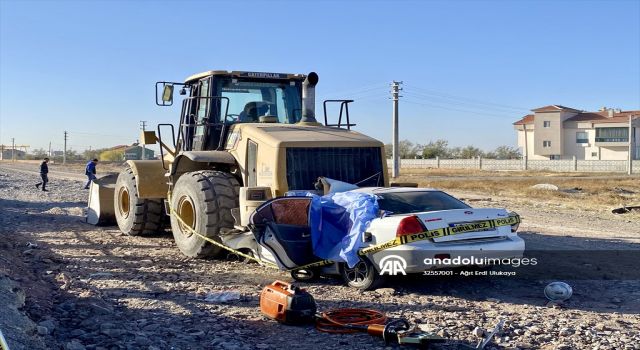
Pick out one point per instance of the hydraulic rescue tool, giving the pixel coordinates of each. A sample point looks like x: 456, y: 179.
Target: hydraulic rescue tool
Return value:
x: 289, y: 304
x: 396, y: 331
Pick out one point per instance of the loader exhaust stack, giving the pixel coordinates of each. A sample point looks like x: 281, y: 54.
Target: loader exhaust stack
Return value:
x: 309, y: 98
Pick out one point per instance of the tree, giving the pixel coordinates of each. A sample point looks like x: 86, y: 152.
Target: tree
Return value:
x: 407, y: 149
x: 73, y: 155
x: 455, y: 152
x: 438, y: 148
x: 507, y: 152
x: 112, y: 156
x: 39, y: 153
x: 470, y: 152
x: 92, y: 154
x: 490, y: 155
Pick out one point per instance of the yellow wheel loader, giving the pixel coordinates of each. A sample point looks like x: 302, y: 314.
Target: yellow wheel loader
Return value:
x: 242, y: 139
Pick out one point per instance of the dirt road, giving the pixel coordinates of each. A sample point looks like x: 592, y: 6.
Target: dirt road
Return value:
x: 81, y: 287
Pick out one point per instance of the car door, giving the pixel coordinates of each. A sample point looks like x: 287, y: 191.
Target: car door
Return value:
x: 282, y: 226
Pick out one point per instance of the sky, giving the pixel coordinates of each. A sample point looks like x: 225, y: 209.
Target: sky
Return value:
x: 469, y: 68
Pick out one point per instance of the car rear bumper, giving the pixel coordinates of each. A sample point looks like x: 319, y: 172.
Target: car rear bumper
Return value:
x: 419, y: 256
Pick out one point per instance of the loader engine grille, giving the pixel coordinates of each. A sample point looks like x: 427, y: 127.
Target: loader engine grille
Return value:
x: 356, y: 165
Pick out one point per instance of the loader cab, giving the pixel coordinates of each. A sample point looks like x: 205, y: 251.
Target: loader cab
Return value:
x: 219, y: 100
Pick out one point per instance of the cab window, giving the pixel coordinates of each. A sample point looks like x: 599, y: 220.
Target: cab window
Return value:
x: 250, y: 100
x: 203, y: 107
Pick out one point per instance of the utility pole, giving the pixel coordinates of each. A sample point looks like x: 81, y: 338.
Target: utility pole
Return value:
x: 395, y: 90
x: 13, y: 149
x: 526, y: 147
x: 49, y: 148
x: 631, y: 149
x: 143, y: 125
x: 64, y: 153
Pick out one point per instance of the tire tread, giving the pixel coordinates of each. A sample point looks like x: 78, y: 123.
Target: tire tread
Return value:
x: 221, y: 193
x: 148, y: 215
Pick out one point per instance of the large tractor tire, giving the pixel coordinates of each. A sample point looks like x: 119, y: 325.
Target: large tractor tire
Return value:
x: 203, y: 200
x: 136, y: 216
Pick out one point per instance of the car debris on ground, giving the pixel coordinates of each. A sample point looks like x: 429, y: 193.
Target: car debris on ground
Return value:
x: 626, y: 209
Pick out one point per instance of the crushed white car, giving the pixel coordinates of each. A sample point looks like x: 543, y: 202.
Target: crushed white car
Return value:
x: 417, y: 230
x: 412, y: 211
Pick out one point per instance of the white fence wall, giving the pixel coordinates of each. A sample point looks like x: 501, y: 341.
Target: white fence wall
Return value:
x: 501, y: 164
x: 606, y: 165
x: 618, y: 166
x: 551, y: 165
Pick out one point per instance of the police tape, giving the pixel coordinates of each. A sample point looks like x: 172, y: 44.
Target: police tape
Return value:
x: 472, y: 226
x: 190, y: 229
x: 421, y: 236
x: 442, y: 232
x: 3, y: 342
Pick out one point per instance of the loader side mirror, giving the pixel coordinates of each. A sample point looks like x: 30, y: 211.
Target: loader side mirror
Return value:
x: 167, y: 94
x: 164, y: 92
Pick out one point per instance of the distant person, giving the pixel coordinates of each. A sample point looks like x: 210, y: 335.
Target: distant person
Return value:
x: 44, y: 170
x: 90, y: 171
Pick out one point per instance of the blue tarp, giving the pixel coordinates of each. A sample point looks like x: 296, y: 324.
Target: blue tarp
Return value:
x: 337, y: 222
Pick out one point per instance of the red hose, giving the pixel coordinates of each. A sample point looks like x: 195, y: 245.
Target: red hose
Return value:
x: 334, y: 321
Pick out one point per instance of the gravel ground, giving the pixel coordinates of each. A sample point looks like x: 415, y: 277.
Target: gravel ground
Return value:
x: 83, y: 287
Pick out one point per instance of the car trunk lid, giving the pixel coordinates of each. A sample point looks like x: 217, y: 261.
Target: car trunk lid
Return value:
x: 469, y: 218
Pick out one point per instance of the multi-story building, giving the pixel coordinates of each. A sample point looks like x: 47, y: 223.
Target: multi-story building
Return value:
x: 9, y: 154
x: 559, y: 132
x: 134, y: 152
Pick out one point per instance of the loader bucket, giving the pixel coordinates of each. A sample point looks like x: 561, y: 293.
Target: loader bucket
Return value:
x: 101, y: 211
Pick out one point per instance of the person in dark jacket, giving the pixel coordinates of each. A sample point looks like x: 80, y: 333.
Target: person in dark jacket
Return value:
x: 44, y: 170
x: 90, y: 171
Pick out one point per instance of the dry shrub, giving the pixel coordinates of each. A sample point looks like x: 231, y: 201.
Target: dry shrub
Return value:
x: 584, y: 191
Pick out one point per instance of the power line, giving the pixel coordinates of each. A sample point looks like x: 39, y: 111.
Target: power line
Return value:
x: 352, y: 92
x: 467, y: 99
x: 488, y: 109
x: 95, y: 134
x: 462, y: 98
x: 375, y: 96
x: 458, y: 110
x: 81, y: 146
x: 364, y: 87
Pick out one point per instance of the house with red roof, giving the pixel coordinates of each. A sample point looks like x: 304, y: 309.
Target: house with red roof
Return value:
x: 560, y: 132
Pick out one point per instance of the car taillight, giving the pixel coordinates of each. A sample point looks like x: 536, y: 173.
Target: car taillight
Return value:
x: 409, y: 226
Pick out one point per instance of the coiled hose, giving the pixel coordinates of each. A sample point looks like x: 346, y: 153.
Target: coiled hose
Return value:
x: 339, y: 320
